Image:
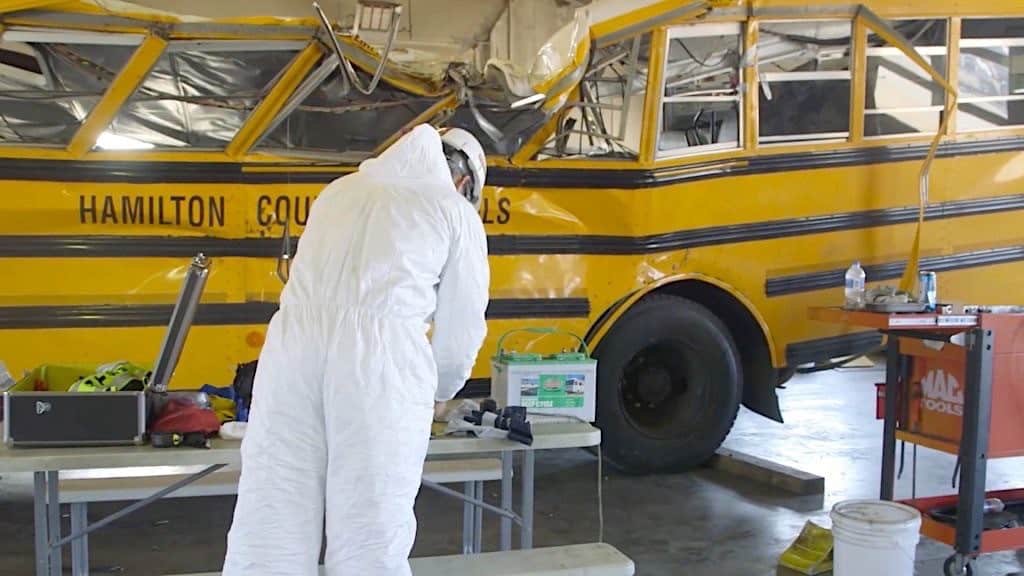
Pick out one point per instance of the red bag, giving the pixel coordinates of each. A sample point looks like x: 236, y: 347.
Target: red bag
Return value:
x: 183, y: 417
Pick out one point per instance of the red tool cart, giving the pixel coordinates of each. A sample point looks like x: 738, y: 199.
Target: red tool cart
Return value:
x: 954, y: 383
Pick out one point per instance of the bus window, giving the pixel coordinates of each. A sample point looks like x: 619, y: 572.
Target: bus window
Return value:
x: 199, y: 96
x: 606, y: 121
x: 991, y: 74
x: 335, y: 123
x: 900, y: 97
x: 804, y: 73
x: 47, y: 89
x: 701, y: 102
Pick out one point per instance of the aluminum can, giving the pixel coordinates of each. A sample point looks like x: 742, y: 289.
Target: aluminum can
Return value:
x: 928, y: 289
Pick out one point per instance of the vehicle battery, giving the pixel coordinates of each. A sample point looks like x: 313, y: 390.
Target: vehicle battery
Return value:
x: 563, y: 384
x: 934, y: 405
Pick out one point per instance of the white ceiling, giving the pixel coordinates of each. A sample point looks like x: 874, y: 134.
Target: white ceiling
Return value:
x: 451, y: 24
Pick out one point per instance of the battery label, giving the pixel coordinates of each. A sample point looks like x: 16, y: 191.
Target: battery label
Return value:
x: 553, y: 391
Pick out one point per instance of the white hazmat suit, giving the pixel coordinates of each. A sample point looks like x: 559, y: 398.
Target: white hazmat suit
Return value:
x: 347, y: 379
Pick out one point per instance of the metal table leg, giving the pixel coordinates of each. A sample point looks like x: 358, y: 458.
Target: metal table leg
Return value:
x: 80, y: 546
x: 506, y: 499
x: 893, y: 369
x: 526, y: 478
x: 977, y: 421
x: 478, y: 520
x: 42, y: 532
x: 53, y: 511
x: 468, y: 519
x: 48, y: 539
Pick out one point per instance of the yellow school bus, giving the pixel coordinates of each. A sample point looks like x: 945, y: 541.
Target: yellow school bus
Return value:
x: 676, y: 182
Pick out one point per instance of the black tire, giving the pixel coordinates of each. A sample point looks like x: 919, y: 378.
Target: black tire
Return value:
x: 670, y: 383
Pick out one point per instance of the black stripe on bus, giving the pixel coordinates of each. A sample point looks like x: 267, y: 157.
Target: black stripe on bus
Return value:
x: 109, y: 246
x: 86, y: 246
x: 799, y: 353
x: 748, y: 232
x: 796, y: 283
x: 235, y: 314
x: 142, y: 172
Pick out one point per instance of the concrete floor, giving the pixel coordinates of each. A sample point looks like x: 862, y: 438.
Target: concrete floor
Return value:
x: 701, y: 523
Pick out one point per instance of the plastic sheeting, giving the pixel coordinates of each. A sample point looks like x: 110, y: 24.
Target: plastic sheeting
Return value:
x: 199, y: 99
x: 329, y: 122
x: 45, y: 101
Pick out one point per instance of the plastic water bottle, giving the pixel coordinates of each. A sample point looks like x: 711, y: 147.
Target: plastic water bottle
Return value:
x: 855, y: 278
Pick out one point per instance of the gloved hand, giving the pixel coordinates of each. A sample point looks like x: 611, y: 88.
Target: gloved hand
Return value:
x: 440, y: 411
x: 453, y: 410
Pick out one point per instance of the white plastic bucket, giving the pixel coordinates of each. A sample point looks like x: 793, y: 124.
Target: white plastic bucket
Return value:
x: 874, y: 537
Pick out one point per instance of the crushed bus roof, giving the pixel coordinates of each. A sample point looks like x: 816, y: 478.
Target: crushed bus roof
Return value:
x: 78, y: 75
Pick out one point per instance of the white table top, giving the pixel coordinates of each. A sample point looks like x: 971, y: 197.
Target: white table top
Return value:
x: 546, y: 436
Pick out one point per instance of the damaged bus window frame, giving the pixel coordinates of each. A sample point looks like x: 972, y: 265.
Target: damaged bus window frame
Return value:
x: 605, y: 118
x: 179, y: 105
x: 321, y: 93
x: 818, y: 95
x: 75, y: 93
x: 977, y: 37
x: 729, y: 57
x: 881, y: 57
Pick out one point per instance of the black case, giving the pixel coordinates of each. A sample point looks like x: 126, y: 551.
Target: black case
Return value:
x: 74, y: 419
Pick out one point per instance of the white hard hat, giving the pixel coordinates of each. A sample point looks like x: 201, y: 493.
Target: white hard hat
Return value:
x: 462, y: 141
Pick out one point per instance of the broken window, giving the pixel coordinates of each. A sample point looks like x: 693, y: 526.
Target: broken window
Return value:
x: 991, y: 74
x: 198, y: 95
x: 804, y: 76
x: 47, y: 89
x: 900, y: 97
x: 701, y: 102
x: 606, y: 120
x: 322, y: 119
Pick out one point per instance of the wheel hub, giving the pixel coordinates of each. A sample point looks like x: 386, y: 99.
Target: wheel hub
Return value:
x: 654, y: 389
x: 654, y: 384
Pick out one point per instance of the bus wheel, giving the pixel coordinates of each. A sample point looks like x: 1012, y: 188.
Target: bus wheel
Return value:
x: 669, y: 378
